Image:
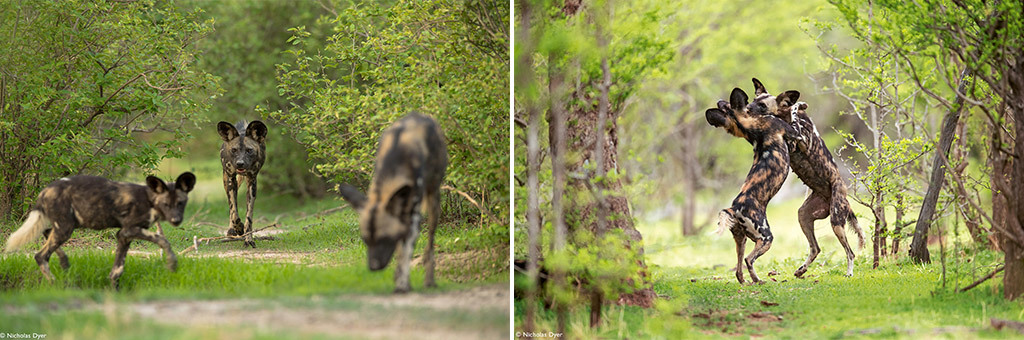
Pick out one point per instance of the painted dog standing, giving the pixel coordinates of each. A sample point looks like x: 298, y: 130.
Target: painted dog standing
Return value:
x: 746, y: 218
x: 410, y: 166
x: 813, y: 164
x: 98, y: 203
x: 242, y: 154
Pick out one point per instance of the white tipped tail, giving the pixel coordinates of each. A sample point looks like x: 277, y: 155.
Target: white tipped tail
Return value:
x: 30, y: 230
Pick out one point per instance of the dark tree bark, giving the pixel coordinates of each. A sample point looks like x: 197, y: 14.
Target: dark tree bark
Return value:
x: 1013, y: 241
x: 557, y: 138
x: 919, y: 245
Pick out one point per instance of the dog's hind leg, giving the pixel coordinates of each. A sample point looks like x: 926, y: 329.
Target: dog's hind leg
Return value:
x: 59, y: 234
x: 761, y: 246
x: 250, y: 202
x: 839, y: 228
x: 813, y: 209
x: 433, y: 203
x: 60, y: 253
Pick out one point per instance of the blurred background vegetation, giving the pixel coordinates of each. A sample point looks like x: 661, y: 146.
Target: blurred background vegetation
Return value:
x: 120, y: 89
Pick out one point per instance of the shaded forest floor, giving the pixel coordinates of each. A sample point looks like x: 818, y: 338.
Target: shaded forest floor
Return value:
x: 307, y: 278
x: 700, y: 298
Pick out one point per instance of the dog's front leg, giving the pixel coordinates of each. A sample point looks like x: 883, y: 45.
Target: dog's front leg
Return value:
x: 250, y: 202
x: 405, y: 249
x: 231, y: 187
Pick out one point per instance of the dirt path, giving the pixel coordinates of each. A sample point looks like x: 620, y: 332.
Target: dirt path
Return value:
x: 475, y: 313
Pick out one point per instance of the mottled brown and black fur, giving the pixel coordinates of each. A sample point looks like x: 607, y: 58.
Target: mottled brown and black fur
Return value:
x: 98, y: 203
x: 746, y: 217
x: 242, y: 154
x: 812, y: 162
x: 410, y: 166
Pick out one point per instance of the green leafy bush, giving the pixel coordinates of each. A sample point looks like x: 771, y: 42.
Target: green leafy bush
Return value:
x: 447, y: 59
x: 85, y: 85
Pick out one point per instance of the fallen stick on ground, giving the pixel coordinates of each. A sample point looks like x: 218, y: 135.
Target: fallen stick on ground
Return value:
x: 989, y: 276
x: 999, y: 324
x: 473, y: 201
x: 331, y: 210
x: 206, y: 240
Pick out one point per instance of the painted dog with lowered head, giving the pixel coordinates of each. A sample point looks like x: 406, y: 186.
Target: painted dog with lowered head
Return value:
x: 99, y: 203
x: 242, y: 154
x: 410, y: 166
x: 746, y: 218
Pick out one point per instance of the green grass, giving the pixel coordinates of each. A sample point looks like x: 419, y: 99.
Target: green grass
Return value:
x: 317, y: 262
x: 700, y: 297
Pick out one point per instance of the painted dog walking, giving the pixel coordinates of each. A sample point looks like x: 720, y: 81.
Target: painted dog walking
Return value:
x: 410, y: 166
x: 242, y: 154
x: 746, y: 218
x: 98, y: 203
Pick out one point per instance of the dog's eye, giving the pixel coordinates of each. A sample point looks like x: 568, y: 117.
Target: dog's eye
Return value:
x: 762, y: 105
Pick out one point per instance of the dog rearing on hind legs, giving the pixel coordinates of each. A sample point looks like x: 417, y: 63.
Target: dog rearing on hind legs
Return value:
x: 98, y: 203
x: 242, y: 154
x: 746, y: 218
x: 813, y: 164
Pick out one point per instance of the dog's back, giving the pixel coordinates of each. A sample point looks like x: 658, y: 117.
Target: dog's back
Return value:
x: 412, y: 149
x: 95, y: 202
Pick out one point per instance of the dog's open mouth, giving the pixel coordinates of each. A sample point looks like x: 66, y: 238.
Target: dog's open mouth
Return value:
x: 241, y: 171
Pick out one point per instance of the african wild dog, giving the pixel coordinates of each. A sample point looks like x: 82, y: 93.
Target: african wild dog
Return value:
x: 98, y: 203
x: 242, y: 154
x: 410, y: 165
x: 813, y: 164
x: 746, y: 217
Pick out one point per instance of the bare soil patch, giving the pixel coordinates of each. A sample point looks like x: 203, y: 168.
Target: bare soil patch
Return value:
x: 406, y: 316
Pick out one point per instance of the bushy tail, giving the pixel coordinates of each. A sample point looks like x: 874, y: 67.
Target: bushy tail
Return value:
x: 725, y: 221
x: 852, y: 220
x: 30, y: 230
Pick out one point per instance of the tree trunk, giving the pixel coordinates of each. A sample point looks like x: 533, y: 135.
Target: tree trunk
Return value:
x: 557, y: 138
x: 687, y: 151
x: 1013, y: 241
x: 525, y: 79
x: 971, y: 218
x: 919, y: 245
x: 897, y: 228
x: 584, y: 138
x: 880, y: 227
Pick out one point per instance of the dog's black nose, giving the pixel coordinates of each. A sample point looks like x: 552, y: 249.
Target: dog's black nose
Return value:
x: 176, y: 221
x: 239, y: 164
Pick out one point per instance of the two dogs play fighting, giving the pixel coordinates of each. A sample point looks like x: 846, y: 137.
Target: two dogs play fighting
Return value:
x: 783, y: 138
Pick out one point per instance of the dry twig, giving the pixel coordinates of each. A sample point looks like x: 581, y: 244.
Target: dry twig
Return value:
x: 206, y: 240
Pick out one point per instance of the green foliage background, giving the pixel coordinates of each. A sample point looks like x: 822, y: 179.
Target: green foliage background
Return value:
x: 447, y: 59
x: 84, y: 85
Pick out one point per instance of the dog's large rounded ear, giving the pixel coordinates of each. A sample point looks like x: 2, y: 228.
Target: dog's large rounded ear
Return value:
x: 787, y: 98
x: 758, y: 87
x: 257, y: 131
x: 715, y: 117
x: 156, y: 184
x: 400, y: 199
x: 353, y: 196
x: 227, y: 131
x: 738, y: 99
x: 186, y: 182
